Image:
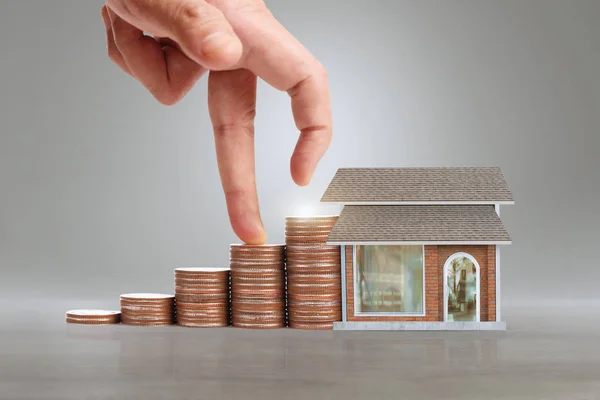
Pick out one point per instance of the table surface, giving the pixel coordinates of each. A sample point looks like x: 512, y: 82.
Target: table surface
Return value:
x: 548, y: 352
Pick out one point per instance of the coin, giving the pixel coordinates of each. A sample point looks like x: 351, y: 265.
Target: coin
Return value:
x: 314, y: 297
x: 315, y: 305
x: 147, y: 297
x: 220, y: 309
x: 215, y: 305
x: 258, y: 294
x: 87, y: 321
x: 202, y: 324
x: 145, y: 317
x: 202, y: 271
x: 258, y: 318
x: 254, y: 273
x: 131, y: 310
x: 196, y: 315
x: 201, y: 290
x: 314, y: 239
x: 315, y: 287
x: 202, y: 283
x: 314, y: 256
x: 258, y: 247
x: 257, y: 271
x: 314, y: 318
x: 92, y: 317
x: 264, y: 323
x: 201, y: 298
x: 86, y: 314
x: 278, y: 307
x: 149, y: 323
x: 326, y: 270
x: 313, y: 277
x: 311, y: 325
x: 250, y: 251
x: 294, y: 219
x: 315, y: 315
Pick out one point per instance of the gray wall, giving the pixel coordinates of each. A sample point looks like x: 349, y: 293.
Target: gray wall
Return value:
x: 105, y: 191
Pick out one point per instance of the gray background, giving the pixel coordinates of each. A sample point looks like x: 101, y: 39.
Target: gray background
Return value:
x: 105, y: 191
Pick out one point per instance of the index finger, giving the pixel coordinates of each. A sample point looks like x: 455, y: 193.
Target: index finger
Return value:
x: 278, y: 58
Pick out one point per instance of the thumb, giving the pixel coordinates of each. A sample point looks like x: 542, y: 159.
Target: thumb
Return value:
x: 200, y: 29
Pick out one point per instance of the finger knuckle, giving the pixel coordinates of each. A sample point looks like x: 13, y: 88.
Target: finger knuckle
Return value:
x: 190, y: 13
x: 195, y: 21
x: 226, y: 130
x: 134, y: 7
x: 236, y: 192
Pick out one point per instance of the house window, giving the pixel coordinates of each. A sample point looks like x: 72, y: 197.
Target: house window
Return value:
x: 389, y: 280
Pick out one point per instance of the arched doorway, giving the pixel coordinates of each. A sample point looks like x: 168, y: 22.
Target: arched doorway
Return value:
x: 461, y: 288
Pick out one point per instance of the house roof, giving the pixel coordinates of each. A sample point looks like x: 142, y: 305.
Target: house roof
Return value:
x: 432, y: 185
x: 413, y: 224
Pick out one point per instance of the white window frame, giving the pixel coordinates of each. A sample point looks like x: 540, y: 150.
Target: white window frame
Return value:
x: 385, y: 314
x: 477, y: 277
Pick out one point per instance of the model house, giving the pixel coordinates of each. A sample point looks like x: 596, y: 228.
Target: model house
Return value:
x: 420, y: 247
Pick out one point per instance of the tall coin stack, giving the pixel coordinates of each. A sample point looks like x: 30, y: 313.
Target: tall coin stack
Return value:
x: 314, y: 286
x: 258, y: 286
x: 147, y: 309
x: 202, y: 296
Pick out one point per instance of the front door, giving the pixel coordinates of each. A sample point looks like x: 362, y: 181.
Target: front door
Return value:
x: 461, y: 288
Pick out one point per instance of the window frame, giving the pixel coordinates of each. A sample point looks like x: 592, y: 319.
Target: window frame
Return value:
x: 385, y: 314
x: 471, y: 258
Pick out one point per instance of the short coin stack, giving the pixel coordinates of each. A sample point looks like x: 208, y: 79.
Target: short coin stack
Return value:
x: 147, y: 309
x: 313, y: 273
x: 258, y: 286
x: 93, y: 317
x: 202, y: 296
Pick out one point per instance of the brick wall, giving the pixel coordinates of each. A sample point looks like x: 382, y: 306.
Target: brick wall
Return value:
x: 435, y: 258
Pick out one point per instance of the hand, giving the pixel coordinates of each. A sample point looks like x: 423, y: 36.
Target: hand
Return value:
x: 237, y: 41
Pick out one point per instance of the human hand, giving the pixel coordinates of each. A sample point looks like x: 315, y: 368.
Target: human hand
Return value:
x: 237, y: 41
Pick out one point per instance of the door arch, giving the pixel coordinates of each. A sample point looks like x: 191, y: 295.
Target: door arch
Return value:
x: 453, y: 268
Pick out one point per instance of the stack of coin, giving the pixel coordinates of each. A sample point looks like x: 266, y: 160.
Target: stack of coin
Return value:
x: 258, y: 286
x: 314, y: 288
x: 93, y: 317
x: 147, y: 309
x: 203, y: 297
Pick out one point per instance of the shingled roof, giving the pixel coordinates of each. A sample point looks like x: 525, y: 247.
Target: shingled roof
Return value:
x: 432, y: 185
x: 414, y: 224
